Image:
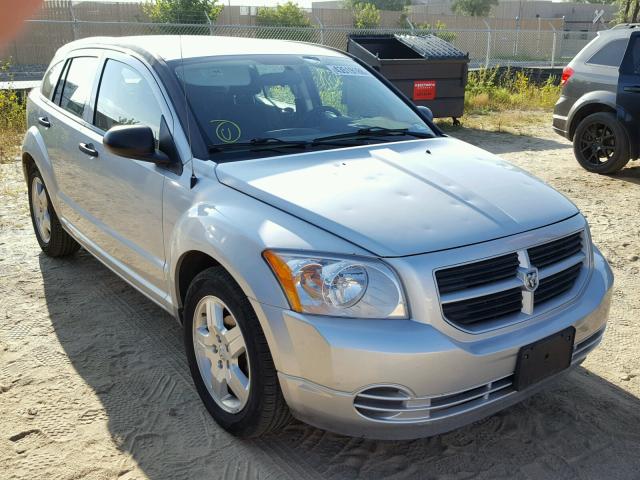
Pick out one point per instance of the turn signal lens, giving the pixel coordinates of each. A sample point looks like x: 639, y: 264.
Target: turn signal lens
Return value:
x: 285, y: 277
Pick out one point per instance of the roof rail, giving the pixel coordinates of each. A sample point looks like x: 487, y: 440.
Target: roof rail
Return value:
x: 625, y: 25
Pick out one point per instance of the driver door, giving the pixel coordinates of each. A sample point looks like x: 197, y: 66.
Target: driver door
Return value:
x: 628, y: 95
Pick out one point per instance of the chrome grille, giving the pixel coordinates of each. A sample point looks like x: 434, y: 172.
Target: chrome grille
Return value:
x: 493, y: 292
x: 484, y: 308
x: 555, y: 251
x: 478, y: 273
x: 556, y: 284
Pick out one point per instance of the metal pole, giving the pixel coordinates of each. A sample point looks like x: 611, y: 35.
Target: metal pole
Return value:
x: 515, y: 45
x: 538, y: 44
x: 321, y: 27
x: 553, y: 45
x: 15, y: 60
x: 488, y: 57
x: 211, y: 28
x: 411, y: 26
x: 74, y: 20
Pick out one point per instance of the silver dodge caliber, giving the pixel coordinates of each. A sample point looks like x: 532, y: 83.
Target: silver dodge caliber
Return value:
x: 331, y: 254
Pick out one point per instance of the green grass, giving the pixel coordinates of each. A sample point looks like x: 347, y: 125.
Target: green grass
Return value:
x: 488, y: 91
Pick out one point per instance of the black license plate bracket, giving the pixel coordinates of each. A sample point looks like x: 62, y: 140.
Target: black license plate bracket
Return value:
x: 544, y: 358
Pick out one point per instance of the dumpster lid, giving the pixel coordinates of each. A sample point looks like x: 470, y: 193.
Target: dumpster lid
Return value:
x: 430, y: 46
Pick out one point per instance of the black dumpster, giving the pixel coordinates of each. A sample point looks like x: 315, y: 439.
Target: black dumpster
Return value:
x: 426, y: 68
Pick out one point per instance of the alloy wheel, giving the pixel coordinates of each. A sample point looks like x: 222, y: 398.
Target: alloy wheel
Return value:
x: 221, y: 354
x: 40, y: 208
x: 598, y: 143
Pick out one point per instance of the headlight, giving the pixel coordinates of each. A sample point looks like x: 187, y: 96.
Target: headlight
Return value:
x: 345, y: 287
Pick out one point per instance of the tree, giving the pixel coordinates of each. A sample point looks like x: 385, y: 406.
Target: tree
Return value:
x: 636, y: 11
x: 182, y: 11
x: 365, y: 15
x: 285, y: 15
x: 474, y: 8
x: 627, y: 14
x: 392, y: 5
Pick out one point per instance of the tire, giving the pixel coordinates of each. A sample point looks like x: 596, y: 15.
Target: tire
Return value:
x: 601, y: 144
x: 54, y: 240
x: 264, y: 409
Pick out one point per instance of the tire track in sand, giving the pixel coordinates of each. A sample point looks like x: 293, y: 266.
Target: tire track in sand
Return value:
x: 155, y: 324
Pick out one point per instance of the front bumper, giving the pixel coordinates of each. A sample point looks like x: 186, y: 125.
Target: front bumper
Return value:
x: 324, y: 365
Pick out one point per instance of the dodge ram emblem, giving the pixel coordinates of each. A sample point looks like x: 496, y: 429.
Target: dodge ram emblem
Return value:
x: 530, y: 279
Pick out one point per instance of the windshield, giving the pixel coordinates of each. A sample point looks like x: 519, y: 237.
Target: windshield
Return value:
x: 267, y: 103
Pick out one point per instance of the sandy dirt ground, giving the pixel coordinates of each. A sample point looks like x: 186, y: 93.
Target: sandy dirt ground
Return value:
x: 94, y: 385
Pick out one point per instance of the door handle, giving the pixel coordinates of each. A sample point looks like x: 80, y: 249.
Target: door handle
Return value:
x: 88, y: 148
x: 44, y: 121
x: 632, y: 89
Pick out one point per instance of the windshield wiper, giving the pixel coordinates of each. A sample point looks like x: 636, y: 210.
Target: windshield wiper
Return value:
x: 266, y: 143
x: 373, y: 132
x: 271, y: 143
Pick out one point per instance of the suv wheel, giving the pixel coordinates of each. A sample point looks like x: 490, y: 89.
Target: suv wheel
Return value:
x: 229, y: 358
x: 53, y: 240
x: 600, y: 143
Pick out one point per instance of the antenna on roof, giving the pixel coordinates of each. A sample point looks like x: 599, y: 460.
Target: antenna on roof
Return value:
x: 194, y: 179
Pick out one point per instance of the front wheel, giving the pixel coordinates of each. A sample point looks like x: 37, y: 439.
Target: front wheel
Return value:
x: 601, y: 144
x: 229, y: 358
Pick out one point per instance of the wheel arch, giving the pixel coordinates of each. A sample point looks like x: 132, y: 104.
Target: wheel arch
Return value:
x: 190, y: 264
x: 28, y: 163
x: 586, y: 109
x: 193, y: 262
x: 34, y: 154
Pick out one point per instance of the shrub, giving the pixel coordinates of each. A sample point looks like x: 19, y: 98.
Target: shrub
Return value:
x: 285, y: 15
x: 288, y: 16
x: 439, y: 30
x: 12, y: 121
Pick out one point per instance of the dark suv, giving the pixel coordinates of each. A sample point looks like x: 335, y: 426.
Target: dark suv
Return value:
x: 599, y: 109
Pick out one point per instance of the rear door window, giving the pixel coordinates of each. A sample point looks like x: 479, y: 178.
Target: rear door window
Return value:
x: 50, y: 80
x: 610, y: 55
x: 125, y: 98
x: 78, y: 84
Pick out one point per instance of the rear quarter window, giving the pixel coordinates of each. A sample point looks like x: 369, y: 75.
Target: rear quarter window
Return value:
x: 51, y: 79
x: 610, y: 55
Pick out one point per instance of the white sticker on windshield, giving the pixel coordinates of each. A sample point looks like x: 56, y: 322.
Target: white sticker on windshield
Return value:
x: 343, y: 70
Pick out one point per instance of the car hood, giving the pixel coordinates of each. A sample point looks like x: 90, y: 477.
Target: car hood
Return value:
x: 403, y: 198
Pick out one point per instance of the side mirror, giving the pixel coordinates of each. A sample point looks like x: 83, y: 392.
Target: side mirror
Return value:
x: 426, y: 112
x: 136, y: 142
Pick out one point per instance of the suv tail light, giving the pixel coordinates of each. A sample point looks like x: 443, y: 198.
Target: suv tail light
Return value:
x: 566, y: 75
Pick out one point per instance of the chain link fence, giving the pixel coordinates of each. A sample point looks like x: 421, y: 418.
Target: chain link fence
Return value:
x: 487, y: 47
